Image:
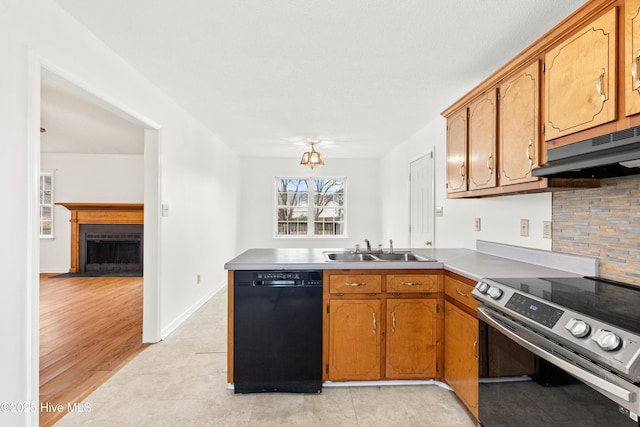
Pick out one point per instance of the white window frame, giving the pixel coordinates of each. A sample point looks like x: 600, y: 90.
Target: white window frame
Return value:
x: 50, y: 205
x: 310, y: 209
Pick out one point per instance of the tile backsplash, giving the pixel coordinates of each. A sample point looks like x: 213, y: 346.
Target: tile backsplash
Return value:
x: 602, y: 222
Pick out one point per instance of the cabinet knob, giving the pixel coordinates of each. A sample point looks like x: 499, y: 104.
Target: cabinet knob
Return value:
x: 528, y: 153
x: 490, y: 163
x: 411, y: 283
x: 635, y: 67
x: 600, y: 86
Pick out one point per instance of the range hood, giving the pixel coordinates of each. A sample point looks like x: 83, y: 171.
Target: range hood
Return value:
x: 606, y: 156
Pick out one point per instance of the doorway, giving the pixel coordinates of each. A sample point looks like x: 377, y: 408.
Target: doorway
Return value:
x: 148, y: 288
x: 422, y: 201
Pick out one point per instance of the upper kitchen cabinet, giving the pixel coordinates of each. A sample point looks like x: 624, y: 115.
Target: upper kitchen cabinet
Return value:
x: 457, y: 152
x: 523, y: 109
x: 580, y: 79
x: 471, y: 146
x: 519, y: 130
x: 482, y: 141
x: 632, y: 56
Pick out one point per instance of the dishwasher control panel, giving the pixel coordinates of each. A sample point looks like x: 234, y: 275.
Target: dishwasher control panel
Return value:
x: 278, y: 278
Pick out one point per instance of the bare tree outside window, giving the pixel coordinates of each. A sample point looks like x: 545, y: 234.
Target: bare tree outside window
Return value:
x: 324, y: 216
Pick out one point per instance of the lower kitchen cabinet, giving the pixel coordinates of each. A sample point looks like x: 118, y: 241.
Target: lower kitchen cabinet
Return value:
x: 383, y: 324
x: 411, y: 338
x: 460, y: 358
x: 354, y: 339
x: 461, y: 341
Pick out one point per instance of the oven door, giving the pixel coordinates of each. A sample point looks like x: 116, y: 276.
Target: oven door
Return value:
x: 525, y: 381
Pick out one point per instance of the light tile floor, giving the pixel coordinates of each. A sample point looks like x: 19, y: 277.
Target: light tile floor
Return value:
x: 181, y: 381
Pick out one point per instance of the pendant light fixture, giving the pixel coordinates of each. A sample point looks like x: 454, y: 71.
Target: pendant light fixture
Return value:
x: 312, y: 158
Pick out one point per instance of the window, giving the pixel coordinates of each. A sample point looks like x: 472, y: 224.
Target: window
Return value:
x: 46, y: 205
x: 310, y: 207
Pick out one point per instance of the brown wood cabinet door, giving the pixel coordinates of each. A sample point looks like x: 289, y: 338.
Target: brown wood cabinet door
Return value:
x: 632, y: 56
x: 519, y: 126
x: 482, y: 141
x: 411, y: 338
x: 460, y: 358
x: 580, y: 79
x: 457, y: 152
x: 354, y: 339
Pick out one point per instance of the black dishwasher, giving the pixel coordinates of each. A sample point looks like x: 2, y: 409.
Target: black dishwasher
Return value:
x: 277, y: 331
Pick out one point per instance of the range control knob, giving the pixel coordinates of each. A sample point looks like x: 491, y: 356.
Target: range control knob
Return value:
x: 482, y: 287
x: 607, y: 340
x: 578, y: 328
x: 494, y: 292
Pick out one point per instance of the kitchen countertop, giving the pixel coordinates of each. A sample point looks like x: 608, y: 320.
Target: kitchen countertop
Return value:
x: 488, y: 260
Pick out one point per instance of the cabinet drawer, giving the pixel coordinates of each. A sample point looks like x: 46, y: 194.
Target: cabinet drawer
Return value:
x: 414, y: 283
x: 460, y: 291
x: 355, y: 283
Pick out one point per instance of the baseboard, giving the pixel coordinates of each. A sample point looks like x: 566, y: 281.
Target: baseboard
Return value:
x: 166, y: 331
x: 54, y: 270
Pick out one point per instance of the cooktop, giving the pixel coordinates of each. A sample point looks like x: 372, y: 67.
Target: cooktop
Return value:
x: 612, y: 302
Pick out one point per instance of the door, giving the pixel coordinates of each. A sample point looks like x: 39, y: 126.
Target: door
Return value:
x: 411, y: 338
x: 421, y: 223
x: 354, y: 339
x: 519, y: 126
x: 483, y: 115
x: 632, y: 56
x: 580, y: 88
x: 460, y: 355
x: 457, y: 152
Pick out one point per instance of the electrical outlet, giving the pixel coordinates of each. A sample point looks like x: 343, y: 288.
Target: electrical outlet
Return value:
x: 546, y: 229
x: 524, y: 227
x: 477, y: 223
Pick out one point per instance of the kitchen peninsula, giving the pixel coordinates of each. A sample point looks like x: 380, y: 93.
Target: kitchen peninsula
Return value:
x: 388, y: 320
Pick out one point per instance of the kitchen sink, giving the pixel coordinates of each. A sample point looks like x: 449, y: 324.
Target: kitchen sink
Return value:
x: 403, y: 256
x: 350, y: 256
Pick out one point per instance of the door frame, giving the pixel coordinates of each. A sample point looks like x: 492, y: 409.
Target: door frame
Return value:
x: 152, y: 224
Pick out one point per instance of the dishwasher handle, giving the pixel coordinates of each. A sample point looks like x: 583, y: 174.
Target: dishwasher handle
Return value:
x: 293, y: 282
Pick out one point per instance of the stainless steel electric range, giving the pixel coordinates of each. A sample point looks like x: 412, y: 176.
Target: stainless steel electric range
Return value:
x: 558, y: 351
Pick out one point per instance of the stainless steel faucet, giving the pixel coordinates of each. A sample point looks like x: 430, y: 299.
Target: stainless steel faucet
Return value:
x: 368, y: 245
x: 390, y: 246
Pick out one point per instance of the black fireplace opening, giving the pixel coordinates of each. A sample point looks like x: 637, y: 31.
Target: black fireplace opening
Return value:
x: 111, y: 248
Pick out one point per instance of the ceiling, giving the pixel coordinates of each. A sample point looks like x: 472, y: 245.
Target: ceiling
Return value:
x: 78, y: 122
x: 360, y: 76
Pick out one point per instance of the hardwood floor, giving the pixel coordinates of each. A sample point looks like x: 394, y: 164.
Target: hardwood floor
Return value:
x: 89, y: 328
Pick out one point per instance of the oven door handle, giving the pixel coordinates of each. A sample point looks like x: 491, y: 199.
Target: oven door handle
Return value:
x: 587, y: 377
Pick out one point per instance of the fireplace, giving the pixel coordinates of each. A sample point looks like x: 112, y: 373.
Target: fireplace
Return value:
x: 111, y: 248
x: 106, y: 237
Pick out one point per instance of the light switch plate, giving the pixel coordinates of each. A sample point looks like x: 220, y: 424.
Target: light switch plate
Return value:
x: 477, y: 224
x: 546, y: 229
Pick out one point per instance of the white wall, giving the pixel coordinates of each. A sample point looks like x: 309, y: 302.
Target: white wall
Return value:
x: 500, y: 216
x: 257, y: 199
x: 89, y: 178
x: 199, y: 181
